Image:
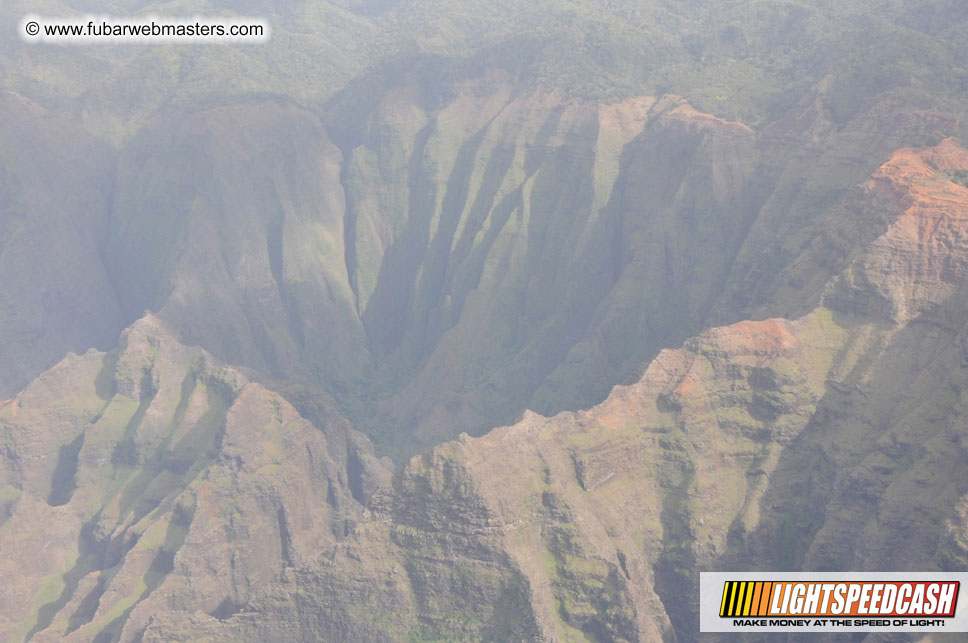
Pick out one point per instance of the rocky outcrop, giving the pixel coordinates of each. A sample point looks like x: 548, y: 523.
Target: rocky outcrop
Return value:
x: 179, y: 496
x: 819, y: 443
x: 511, y: 248
x: 745, y: 343
x: 585, y: 525
x: 920, y: 262
x: 154, y: 479
x: 454, y: 260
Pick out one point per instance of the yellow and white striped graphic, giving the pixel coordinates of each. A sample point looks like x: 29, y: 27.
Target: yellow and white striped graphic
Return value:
x: 746, y: 598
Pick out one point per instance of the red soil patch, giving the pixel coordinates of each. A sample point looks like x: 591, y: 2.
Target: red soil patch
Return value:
x: 687, y: 387
x: 627, y: 117
x: 938, y: 207
x: 767, y: 336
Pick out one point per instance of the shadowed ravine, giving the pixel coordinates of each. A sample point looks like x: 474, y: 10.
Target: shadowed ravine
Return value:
x: 497, y: 324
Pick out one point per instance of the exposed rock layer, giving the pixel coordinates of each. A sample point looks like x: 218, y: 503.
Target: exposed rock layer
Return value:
x: 154, y: 479
x: 454, y: 261
x: 817, y: 443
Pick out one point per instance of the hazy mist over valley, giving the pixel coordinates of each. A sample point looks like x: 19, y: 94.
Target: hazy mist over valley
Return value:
x: 475, y: 321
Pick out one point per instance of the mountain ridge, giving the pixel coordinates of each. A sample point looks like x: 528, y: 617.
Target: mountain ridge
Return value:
x: 525, y: 531
x: 417, y: 278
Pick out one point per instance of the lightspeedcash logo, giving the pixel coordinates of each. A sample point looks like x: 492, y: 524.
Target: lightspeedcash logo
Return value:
x: 828, y: 602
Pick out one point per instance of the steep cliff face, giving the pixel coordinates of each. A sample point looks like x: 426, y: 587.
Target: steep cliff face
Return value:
x: 891, y: 434
x: 229, y: 223
x: 819, y: 443
x: 463, y: 254
x: 585, y: 525
x: 151, y: 479
x: 742, y: 344
x: 513, y: 249
x: 55, y: 293
x: 493, y: 248
x: 463, y: 258
x: 517, y: 231
x: 919, y: 263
